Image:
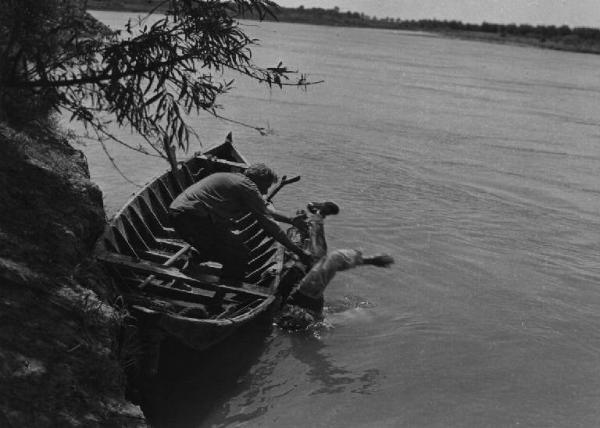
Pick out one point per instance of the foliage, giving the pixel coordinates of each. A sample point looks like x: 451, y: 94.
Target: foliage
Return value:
x: 563, y: 37
x: 56, y: 57
x: 336, y: 17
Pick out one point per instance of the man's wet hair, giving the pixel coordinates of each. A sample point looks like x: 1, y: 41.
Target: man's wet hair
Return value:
x: 260, y: 172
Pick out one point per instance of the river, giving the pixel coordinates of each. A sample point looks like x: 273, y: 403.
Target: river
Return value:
x: 476, y: 165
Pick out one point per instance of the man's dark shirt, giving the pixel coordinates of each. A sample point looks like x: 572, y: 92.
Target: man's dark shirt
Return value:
x: 223, y: 196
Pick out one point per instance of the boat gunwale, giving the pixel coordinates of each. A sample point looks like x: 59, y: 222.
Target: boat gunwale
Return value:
x: 225, y: 321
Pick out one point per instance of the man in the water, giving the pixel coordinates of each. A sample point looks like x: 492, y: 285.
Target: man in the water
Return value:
x: 304, y: 305
x: 204, y: 213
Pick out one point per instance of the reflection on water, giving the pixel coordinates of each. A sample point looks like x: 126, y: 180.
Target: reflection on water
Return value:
x: 193, y: 385
x: 322, y: 372
x: 233, y: 382
x: 308, y: 354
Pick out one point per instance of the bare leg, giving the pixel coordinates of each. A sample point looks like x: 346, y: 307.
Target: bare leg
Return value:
x: 305, y: 302
x: 328, y: 264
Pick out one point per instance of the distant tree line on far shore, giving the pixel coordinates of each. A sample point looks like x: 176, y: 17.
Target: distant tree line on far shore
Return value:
x: 582, y: 39
x: 336, y: 17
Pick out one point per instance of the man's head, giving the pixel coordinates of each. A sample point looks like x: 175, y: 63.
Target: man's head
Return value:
x: 262, y: 176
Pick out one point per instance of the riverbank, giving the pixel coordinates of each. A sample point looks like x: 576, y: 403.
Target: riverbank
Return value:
x: 554, y: 44
x: 62, y: 362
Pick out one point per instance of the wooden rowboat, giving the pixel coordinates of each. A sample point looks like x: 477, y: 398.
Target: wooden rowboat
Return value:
x: 146, y: 258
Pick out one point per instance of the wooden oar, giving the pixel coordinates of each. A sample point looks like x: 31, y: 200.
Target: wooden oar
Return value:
x: 284, y: 182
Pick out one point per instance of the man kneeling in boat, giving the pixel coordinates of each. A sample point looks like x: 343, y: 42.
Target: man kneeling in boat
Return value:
x: 203, y: 215
x: 304, y: 305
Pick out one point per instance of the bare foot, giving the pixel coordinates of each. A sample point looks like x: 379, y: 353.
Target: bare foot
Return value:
x: 379, y: 260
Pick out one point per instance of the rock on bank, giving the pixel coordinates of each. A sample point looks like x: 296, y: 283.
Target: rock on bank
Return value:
x: 60, y: 362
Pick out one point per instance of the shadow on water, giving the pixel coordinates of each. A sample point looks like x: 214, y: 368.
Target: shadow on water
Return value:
x: 192, y: 384
x: 278, y: 378
x: 244, y: 377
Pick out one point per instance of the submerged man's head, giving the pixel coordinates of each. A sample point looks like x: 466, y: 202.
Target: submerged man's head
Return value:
x: 261, y: 175
x: 294, y: 318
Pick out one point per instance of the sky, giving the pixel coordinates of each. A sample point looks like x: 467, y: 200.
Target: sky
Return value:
x: 574, y: 13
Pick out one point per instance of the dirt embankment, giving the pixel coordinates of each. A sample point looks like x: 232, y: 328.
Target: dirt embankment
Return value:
x: 60, y: 362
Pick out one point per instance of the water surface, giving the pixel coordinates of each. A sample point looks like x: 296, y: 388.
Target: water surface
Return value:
x: 476, y: 166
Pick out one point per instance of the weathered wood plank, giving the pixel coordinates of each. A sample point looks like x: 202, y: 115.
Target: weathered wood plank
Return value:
x: 167, y: 194
x: 133, y: 235
x: 261, y: 259
x: 262, y: 247
x: 140, y: 224
x: 255, y: 239
x: 168, y: 263
x: 121, y: 242
x: 158, y: 205
x: 172, y: 273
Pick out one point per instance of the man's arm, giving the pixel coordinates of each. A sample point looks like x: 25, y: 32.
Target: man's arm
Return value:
x: 273, y: 229
x: 277, y: 216
x: 254, y: 201
x: 298, y: 221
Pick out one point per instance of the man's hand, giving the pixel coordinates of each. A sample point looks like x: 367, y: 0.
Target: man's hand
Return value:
x: 299, y: 222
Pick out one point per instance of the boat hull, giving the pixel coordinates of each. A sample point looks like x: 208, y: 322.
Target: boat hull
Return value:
x: 146, y: 258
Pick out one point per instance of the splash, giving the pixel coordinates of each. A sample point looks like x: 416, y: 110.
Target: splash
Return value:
x: 294, y: 319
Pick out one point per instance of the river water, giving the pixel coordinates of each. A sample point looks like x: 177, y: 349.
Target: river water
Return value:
x: 476, y: 165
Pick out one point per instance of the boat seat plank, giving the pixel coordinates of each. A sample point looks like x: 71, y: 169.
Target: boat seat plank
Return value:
x: 169, y: 262
x: 172, y: 258
x: 208, y: 267
x: 156, y: 256
x: 168, y: 289
x: 171, y: 293
x: 173, y: 273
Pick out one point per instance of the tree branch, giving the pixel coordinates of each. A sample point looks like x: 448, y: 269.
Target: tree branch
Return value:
x: 150, y: 80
